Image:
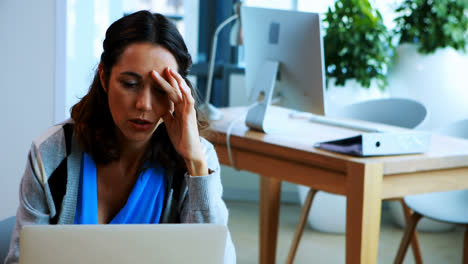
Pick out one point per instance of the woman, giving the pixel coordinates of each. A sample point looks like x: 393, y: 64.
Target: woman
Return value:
x: 131, y: 153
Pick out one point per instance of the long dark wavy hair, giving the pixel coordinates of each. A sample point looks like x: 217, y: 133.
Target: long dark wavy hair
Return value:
x: 94, y: 126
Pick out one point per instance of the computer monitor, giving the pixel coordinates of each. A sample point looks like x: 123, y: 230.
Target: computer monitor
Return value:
x: 284, y: 45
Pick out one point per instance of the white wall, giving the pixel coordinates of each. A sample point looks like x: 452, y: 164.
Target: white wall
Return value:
x: 27, y: 52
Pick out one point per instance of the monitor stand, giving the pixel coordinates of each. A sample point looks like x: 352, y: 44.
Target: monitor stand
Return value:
x: 263, y: 93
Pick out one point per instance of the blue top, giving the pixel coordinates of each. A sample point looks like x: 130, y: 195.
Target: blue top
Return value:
x: 144, y: 205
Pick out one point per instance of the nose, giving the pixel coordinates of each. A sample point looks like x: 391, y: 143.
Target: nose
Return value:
x: 143, y: 101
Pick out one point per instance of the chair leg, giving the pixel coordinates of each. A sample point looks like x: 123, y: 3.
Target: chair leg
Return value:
x: 300, y: 225
x: 465, y: 246
x: 409, y: 231
x: 414, y: 242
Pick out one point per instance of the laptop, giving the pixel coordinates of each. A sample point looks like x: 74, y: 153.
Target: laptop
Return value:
x: 119, y: 244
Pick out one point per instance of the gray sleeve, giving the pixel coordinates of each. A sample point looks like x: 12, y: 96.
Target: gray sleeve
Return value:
x: 33, y: 208
x: 204, y: 203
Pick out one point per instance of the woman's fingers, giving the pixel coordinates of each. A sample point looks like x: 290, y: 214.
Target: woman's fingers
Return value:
x: 182, y: 84
x: 172, y: 89
x: 173, y: 82
x: 178, y: 91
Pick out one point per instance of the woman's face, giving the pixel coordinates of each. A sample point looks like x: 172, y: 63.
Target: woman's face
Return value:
x: 136, y: 101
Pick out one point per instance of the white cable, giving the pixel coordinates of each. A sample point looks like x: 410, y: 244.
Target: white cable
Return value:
x: 228, y: 136
x: 212, y: 57
x: 228, y: 142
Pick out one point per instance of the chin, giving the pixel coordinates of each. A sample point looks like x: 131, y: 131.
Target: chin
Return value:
x: 138, y: 136
x: 135, y: 136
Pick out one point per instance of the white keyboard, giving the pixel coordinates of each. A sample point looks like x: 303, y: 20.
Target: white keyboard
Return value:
x: 333, y: 122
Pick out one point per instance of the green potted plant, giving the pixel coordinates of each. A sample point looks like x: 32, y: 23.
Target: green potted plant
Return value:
x: 430, y: 66
x: 432, y: 24
x: 430, y: 61
x: 357, y: 44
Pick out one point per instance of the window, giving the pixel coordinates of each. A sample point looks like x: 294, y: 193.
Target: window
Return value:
x: 314, y: 6
x: 280, y: 4
x: 173, y: 9
x: 386, y: 7
x: 186, y: 22
x: 84, y: 32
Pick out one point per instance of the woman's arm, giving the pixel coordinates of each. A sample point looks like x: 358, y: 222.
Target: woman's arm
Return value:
x: 33, y: 208
x: 203, y: 202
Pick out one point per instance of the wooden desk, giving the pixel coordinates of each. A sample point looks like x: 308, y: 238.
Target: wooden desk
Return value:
x: 288, y: 155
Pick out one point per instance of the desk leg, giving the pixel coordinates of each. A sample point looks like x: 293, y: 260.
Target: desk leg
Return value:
x: 364, y: 204
x: 270, y: 194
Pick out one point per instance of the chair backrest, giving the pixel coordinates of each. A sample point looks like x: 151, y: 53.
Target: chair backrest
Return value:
x: 400, y: 112
x: 6, y: 229
x: 448, y: 206
x: 455, y: 129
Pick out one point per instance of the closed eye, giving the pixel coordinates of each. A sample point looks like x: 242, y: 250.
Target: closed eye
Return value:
x: 159, y: 90
x: 128, y: 84
x: 130, y: 79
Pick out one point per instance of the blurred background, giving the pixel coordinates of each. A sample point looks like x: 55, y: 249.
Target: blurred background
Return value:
x: 50, y: 49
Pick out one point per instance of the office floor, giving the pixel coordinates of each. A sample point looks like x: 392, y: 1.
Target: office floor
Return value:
x: 325, y: 248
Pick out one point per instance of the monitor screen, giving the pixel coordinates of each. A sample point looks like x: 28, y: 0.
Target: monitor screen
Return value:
x: 283, y: 45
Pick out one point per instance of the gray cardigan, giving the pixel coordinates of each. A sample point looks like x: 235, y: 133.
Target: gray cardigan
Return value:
x: 193, y: 200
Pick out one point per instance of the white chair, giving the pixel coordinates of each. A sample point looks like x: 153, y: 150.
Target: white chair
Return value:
x: 6, y: 229
x: 449, y: 207
x: 400, y: 112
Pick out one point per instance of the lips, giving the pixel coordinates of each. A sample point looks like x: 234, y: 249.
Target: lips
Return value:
x: 140, y: 121
x: 141, y: 124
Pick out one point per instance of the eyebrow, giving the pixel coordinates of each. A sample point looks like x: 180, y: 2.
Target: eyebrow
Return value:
x: 131, y: 74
